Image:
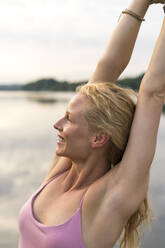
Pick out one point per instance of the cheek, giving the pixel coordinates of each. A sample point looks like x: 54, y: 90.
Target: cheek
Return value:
x: 77, y: 134
x: 69, y: 131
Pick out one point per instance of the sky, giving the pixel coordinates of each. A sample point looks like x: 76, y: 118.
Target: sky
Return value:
x: 64, y: 39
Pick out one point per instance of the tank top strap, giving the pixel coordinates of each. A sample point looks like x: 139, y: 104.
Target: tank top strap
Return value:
x: 82, y: 199
x: 57, y: 175
x: 52, y: 178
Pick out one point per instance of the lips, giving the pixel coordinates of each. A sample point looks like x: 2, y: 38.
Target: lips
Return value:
x: 60, y: 139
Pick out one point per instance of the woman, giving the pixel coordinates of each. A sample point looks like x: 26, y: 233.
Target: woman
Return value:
x: 97, y: 186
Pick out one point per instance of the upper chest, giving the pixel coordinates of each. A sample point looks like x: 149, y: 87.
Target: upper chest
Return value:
x: 52, y: 207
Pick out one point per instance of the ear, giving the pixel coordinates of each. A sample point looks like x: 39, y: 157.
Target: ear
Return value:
x: 99, y: 140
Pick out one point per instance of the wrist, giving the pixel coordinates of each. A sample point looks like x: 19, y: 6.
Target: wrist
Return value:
x: 140, y: 7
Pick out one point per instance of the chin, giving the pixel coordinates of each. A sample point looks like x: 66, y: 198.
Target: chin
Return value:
x: 60, y: 153
x: 63, y: 154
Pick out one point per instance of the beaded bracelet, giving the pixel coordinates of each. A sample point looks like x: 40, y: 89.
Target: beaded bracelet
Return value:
x: 129, y: 12
x: 139, y: 18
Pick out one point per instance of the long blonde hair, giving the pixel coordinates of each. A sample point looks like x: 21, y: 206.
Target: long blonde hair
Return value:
x: 112, y: 111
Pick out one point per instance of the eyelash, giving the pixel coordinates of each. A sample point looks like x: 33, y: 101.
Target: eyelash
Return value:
x: 67, y: 117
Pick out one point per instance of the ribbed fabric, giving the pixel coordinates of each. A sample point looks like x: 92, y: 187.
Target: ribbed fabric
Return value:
x: 36, y: 235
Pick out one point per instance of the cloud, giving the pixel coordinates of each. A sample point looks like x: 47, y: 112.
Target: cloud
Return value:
x: 6, y: 185
x: 64, y: 38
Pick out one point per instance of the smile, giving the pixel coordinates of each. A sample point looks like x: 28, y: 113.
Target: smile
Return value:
x: 60, y: 140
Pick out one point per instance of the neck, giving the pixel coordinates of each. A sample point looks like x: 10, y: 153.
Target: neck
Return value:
x: 84, y: 173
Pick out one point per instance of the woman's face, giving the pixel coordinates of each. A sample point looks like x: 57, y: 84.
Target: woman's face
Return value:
x: 74, y: 136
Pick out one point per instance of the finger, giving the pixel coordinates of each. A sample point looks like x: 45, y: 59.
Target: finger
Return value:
x: 157, y: 1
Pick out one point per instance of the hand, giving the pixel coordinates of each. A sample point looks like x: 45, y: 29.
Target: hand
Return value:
x: 157, y: 1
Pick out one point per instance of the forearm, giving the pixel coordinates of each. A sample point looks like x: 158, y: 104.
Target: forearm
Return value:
x: 121, y: 44
x: 154, y: 79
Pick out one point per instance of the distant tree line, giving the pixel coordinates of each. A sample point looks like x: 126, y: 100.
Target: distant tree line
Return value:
x: 55, y: 85
x: 133, y: 83
x: 51, y: 84
x: 9, y: 87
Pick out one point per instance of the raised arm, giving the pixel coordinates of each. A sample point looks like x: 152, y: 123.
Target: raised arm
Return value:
x: 121, y: 44
x: 154, y: 80
x: 134, y: 168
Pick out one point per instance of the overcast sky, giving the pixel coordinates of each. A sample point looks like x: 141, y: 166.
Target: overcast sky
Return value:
x: 64, y: 39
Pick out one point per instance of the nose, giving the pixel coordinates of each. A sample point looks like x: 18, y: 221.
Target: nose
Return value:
x: 58, y: 125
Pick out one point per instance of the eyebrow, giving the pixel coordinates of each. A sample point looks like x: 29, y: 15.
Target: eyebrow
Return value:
x: 67, y: 112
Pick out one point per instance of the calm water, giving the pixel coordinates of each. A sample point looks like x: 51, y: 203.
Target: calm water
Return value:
x: 27, y: 146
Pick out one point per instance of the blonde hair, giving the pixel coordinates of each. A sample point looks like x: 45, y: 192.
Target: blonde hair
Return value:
x: 111, y: 111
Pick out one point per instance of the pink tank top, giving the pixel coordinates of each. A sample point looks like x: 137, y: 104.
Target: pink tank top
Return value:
x: 36, y: 235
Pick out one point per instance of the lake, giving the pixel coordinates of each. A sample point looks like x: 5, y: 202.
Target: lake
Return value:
x: 27, y: 147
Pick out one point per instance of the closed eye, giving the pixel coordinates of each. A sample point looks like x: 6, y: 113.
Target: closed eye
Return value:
x: 67, y: 117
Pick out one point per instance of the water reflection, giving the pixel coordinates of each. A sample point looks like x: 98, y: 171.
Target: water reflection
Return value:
x: 42, y: 100
x: 27, y: 146
x: 47, y: 97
